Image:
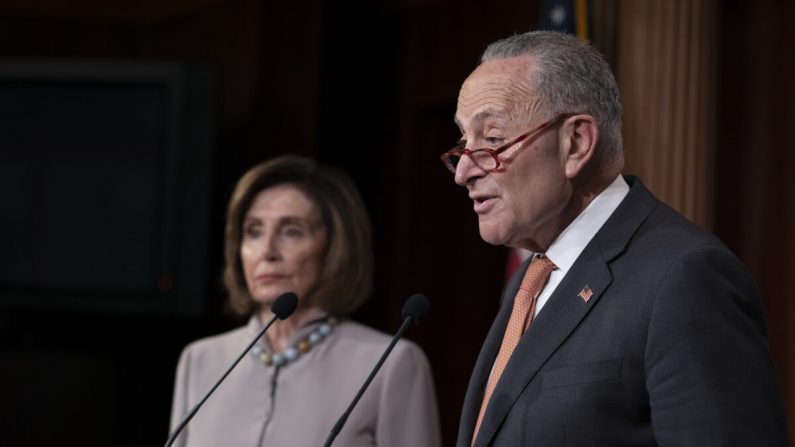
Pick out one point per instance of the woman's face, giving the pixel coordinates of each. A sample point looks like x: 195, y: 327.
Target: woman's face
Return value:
x: 282, y: 245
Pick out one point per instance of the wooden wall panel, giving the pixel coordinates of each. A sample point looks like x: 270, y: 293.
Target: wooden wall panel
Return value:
x: 666, y: 73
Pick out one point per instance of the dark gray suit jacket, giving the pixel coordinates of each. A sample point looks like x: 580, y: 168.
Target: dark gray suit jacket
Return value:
x: 670, y: 350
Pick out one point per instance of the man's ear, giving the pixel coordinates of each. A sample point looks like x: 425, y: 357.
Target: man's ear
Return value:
x: 580, y: 135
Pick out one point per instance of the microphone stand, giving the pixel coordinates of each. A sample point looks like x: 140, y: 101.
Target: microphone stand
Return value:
x: 338, y: 426
x: 193, y: 411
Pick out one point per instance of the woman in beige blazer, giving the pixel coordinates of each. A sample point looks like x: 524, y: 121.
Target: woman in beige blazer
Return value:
x: 296, y: 226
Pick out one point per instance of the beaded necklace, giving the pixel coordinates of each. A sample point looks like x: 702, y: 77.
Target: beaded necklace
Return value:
x: 293, y: 353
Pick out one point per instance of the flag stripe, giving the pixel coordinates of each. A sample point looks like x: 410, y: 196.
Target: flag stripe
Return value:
x: 581, y: 18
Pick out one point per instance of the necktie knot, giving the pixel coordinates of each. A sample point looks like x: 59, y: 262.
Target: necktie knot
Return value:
x: 537, y: 274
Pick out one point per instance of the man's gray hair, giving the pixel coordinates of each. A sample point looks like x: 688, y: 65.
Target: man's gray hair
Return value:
x: 571, y: 77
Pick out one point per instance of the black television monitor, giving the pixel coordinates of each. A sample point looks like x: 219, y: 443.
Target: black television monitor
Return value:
x: 105, y: 185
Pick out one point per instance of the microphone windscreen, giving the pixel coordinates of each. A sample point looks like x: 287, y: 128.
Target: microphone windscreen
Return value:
x: 416, y: 307
x: 285, y: 305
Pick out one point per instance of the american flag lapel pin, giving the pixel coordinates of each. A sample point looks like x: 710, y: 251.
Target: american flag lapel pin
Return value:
x: 586, y: 293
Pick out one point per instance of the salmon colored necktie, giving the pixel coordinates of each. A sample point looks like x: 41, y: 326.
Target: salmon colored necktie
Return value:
x: 524, y: 306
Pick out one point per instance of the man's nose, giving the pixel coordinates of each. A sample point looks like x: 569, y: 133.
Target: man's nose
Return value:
x: 466, y: 170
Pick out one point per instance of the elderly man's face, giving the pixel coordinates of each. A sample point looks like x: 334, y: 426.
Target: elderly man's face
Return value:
x: 521, y: 203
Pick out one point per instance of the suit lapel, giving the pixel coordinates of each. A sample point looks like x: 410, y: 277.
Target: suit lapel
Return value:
x: 565, y: 308
x: 554, y: 323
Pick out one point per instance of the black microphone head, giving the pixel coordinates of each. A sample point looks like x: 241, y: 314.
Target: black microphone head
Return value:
x: 416, y: 307
x: 285, y: 305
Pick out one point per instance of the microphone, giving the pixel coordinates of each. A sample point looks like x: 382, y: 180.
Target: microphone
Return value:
x: 283, y: 307
x: 414, y: 311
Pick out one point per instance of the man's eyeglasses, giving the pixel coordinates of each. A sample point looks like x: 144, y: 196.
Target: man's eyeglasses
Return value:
x: 486, y: 159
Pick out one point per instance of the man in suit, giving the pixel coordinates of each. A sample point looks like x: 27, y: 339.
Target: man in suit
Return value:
x: 629, y: 326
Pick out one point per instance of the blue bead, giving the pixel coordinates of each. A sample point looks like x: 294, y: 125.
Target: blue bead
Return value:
x: 291, y: 354
x: 325, y: 329
x: 279, y: 360
x: 256, y: 350
x: 315, y: 338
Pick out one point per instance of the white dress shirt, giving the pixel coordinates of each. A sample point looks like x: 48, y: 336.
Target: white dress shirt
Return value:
x: 566, y: 248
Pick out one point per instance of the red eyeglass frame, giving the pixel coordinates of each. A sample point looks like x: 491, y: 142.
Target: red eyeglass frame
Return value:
x: 460, y: 152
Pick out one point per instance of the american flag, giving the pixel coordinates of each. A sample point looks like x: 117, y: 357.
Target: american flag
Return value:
x: 586, y: 293
x: 568, y: 16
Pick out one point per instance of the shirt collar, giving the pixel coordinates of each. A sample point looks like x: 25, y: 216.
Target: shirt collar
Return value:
x: 566, y: 248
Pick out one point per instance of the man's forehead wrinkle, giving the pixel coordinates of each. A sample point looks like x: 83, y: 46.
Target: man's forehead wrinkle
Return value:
x: 468, y: 98
x: 501, y: 94
x: 502, y: 87
x: 490, y: 102
x: 526, y: 111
